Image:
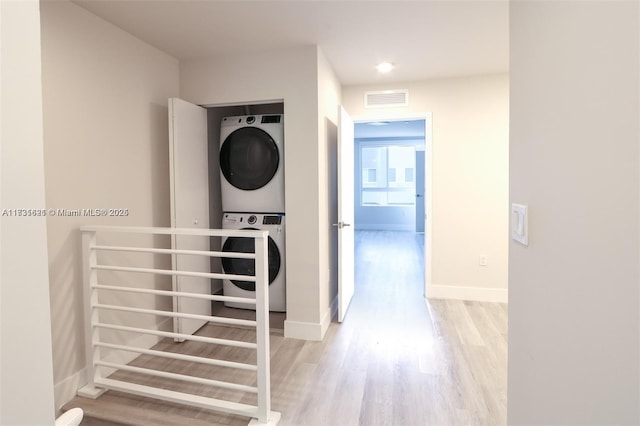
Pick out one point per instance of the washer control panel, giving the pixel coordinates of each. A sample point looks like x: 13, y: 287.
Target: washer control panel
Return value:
x: 253, y: 219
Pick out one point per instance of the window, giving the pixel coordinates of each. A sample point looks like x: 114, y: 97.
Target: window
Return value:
x: 408, y: 174
x: 388, y: 175
x: 369, y: 176
x: 391, y: 174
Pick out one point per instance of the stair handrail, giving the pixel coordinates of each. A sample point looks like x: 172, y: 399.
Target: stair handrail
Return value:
x: 98, y: 383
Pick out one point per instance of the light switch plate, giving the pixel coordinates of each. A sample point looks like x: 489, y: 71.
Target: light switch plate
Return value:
x: 519, y: 223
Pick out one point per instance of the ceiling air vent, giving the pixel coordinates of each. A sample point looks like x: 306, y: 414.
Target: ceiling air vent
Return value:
x: 386, y: 98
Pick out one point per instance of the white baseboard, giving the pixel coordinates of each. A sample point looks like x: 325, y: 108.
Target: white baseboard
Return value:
x: 65, y: 390
x: 303, y: 330
x: 478, y: 294
x: 311, y: 330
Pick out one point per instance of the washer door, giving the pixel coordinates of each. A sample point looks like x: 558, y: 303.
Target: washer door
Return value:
x: 249, y: 158
x: 247, y: 266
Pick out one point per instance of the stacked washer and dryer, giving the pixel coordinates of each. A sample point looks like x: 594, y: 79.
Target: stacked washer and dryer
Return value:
x: 252, y: 189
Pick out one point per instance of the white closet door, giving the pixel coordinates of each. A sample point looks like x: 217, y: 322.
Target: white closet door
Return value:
x: 189, y: 181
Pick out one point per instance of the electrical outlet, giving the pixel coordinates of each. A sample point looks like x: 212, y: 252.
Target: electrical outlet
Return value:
x: 483, y: 260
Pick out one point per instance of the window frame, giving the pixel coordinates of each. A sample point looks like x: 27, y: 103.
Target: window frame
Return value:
x: 361, y: 146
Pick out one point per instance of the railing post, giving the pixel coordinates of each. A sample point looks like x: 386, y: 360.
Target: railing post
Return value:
x: 262, y: 328
x: 91, y: 334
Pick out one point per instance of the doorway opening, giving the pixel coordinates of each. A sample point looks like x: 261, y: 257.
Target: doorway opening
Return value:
x: 389, y: 175
x: 392, y: 180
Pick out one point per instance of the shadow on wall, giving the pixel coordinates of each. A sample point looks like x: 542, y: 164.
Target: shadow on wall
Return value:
x: 159, y: 136
x: 332, y: 205
x: 67, y: 312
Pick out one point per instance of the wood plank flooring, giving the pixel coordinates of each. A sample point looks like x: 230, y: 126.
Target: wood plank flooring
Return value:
x: 396, y: 360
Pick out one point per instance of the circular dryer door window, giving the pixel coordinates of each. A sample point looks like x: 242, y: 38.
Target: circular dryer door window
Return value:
x: 247, y: 266
x: 249, y: 158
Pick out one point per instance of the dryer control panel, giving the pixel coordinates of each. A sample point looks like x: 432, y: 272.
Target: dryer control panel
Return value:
x: 272, y: 220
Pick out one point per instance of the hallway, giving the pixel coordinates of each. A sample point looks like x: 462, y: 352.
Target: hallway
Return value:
x: 395, y: 360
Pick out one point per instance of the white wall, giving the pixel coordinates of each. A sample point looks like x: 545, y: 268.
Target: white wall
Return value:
x: 329, y: 98
x: 470, y: 178
x: 26, y: 379
x: 290, y: 76
x: 106, y: 146
x: 573, y: 292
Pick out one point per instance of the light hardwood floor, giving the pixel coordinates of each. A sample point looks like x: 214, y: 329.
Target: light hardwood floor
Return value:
x: 396, y: 360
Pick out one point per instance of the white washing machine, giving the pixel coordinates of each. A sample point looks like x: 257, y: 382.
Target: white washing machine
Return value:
x: 274, y: 223
x: 252, y: 163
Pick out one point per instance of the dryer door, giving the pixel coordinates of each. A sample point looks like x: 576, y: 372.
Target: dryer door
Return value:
x: 249, y: 158
x: 247, y: 266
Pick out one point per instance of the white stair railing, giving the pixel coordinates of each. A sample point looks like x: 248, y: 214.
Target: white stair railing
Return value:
x: 104, y: 300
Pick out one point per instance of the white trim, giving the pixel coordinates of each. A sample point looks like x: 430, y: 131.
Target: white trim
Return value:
x: 66, y: 389
x: 477, y: 294
x: 312, y: 330
x: 428, y: 202
x: 303, y: 330
x: 326, y: 321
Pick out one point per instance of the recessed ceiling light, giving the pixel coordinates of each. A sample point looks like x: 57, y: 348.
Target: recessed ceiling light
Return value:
x: 384, y: 67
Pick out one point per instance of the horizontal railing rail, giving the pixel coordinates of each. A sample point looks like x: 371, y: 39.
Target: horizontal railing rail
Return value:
x: 104, y: 296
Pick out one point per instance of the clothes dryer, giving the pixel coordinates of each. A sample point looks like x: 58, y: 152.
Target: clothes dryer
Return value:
x: 252, y: 163
x: 274, y: 223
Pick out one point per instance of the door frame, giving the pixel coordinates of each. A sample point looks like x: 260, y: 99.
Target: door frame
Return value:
x: 428, y: 176
x: 421, y: 204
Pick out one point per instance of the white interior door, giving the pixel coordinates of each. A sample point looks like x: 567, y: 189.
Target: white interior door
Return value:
x: 189, y: 183
x: 346, y: 285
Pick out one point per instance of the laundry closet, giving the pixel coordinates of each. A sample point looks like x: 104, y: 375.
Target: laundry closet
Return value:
x: 249, y: 195
x: 242, y: 178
